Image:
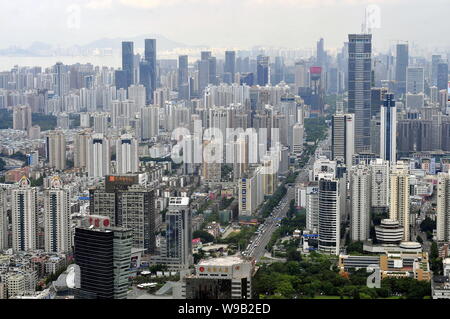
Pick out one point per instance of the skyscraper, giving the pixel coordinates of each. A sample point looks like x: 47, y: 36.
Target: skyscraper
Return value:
x: 183, y: 78
x: 147, y: 69
x: 399, y: 197
x: 149, y: 122
x: 329, y: 216
x: 400, y: 68
x: 56, y: 150
x: 442, y: 76
x: 127, y: 154
x: 230, y: 66
x: 321, y: 55
x: 380, y: 185
x: 22, y: 118
x: 414, y: 80
x: 359, y: 84
x: 99, y: 155
x: 388, y: 130
x: 343, y: 138
x: 262, y: 70
x: 360, y: 188
x: 103, y: 254
x: 128, y: 62
x: 179, y: 232
x: 443, y: 208
x: 3, y: 220
x: 24, y: 216
x: 57, y: 231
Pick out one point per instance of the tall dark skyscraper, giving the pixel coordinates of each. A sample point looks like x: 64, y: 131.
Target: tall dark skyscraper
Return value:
x: 388, y: 131
x: 278, y: 71
x: 435, y: 60
x: 147, y: 69
x: 262, y: 70
x: 442, y: 76
x: 359, y: 85
x: 401, y: 67
x: 103, y: 254
x: 183, y: 77
x: 230, y: 66
x: 212, y: 70
x: 128, y: 62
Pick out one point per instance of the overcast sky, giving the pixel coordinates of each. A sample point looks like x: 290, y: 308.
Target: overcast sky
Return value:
x: 223, y: 23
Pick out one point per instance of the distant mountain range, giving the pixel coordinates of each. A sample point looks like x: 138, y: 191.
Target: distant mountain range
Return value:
x: 40, y: 49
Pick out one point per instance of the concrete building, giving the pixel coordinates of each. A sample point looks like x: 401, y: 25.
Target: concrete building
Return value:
x: 360, y: 190
x: 127, y: 155
x: 343, y: 138
x: 56, y: 150
x: 380, y: 184
x: 443, y: 208
x: 399, y: 197
x: 99, y: 155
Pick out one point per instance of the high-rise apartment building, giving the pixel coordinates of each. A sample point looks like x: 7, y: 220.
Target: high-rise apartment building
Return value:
x: 57, y: 230
x: 329, y: 215
x: 56, y: 150
x: 380, y: 184
x: 22, y: 118
x: 399, y: 197
x: 443, y: 208
x: 127, y: 154
x: 360, y: 189
x: 99, y: 155
x: 24, y: 216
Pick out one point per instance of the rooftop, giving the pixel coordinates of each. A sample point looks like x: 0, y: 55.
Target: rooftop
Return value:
x: 222, y: 261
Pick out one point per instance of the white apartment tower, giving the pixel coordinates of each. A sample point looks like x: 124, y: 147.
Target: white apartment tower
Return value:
x: 360, y: 189
x: 58, y: 237
x: 24, y: 219
x: 399, y: 196
x: 443, y: 207
x: 127, y: 154
x: 99, y: 156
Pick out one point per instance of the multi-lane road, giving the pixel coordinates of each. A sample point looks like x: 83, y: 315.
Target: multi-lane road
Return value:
x: 257, y: 246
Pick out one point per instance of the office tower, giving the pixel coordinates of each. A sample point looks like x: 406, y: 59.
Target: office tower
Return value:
x: 443, y: 208
x: 360, y: 190
x: 342, y: 138
x: 99, y: 155
x: 301, y: 76
x: 147, y: 69
x: 183, y: 78
x: 212, y: 70
x: 401, y: 65
x: 230, y: 66
x: 179, y: 233
x: 442, y: 76
x: 57, y: 231
x: 220, y: 278
x: 415, y: 80
x: 203, y: 74
x: 136, y: 211
x: 120, y: 79
x: 3, y: 220
x: 380, y: 185
x: 103, y: 254
x: 149, y: 122
x: 61, y: 79
x: 248, y: 79
x: 377, y: 100
x: 262, y: 70
x: 321, y: 55
x: 56, y: 150
x: 317, y: 92
x: 298, y: 131
x: 128, y: 62
x: 435, y: 60
x: 137, y: 93
x: 312, y: 208
x: 399, y: 196
x: 359, y: 84
x: 24, y: 216
x: 22, y: 118
x: 388, y: 129
x: 127, y: 155
x: 329, y: 215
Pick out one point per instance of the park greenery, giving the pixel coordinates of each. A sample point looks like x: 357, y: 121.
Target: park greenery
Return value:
x: 317, y: 276
x: 315, y: 129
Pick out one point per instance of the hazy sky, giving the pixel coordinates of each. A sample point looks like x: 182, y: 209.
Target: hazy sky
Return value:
x: 223, y: 23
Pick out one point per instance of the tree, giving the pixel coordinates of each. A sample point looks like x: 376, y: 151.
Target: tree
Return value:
x: 355, y: 247
x: 419, y: 239
x: 427, y: 225
x: 203, y: 235
x: 293, y: 255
